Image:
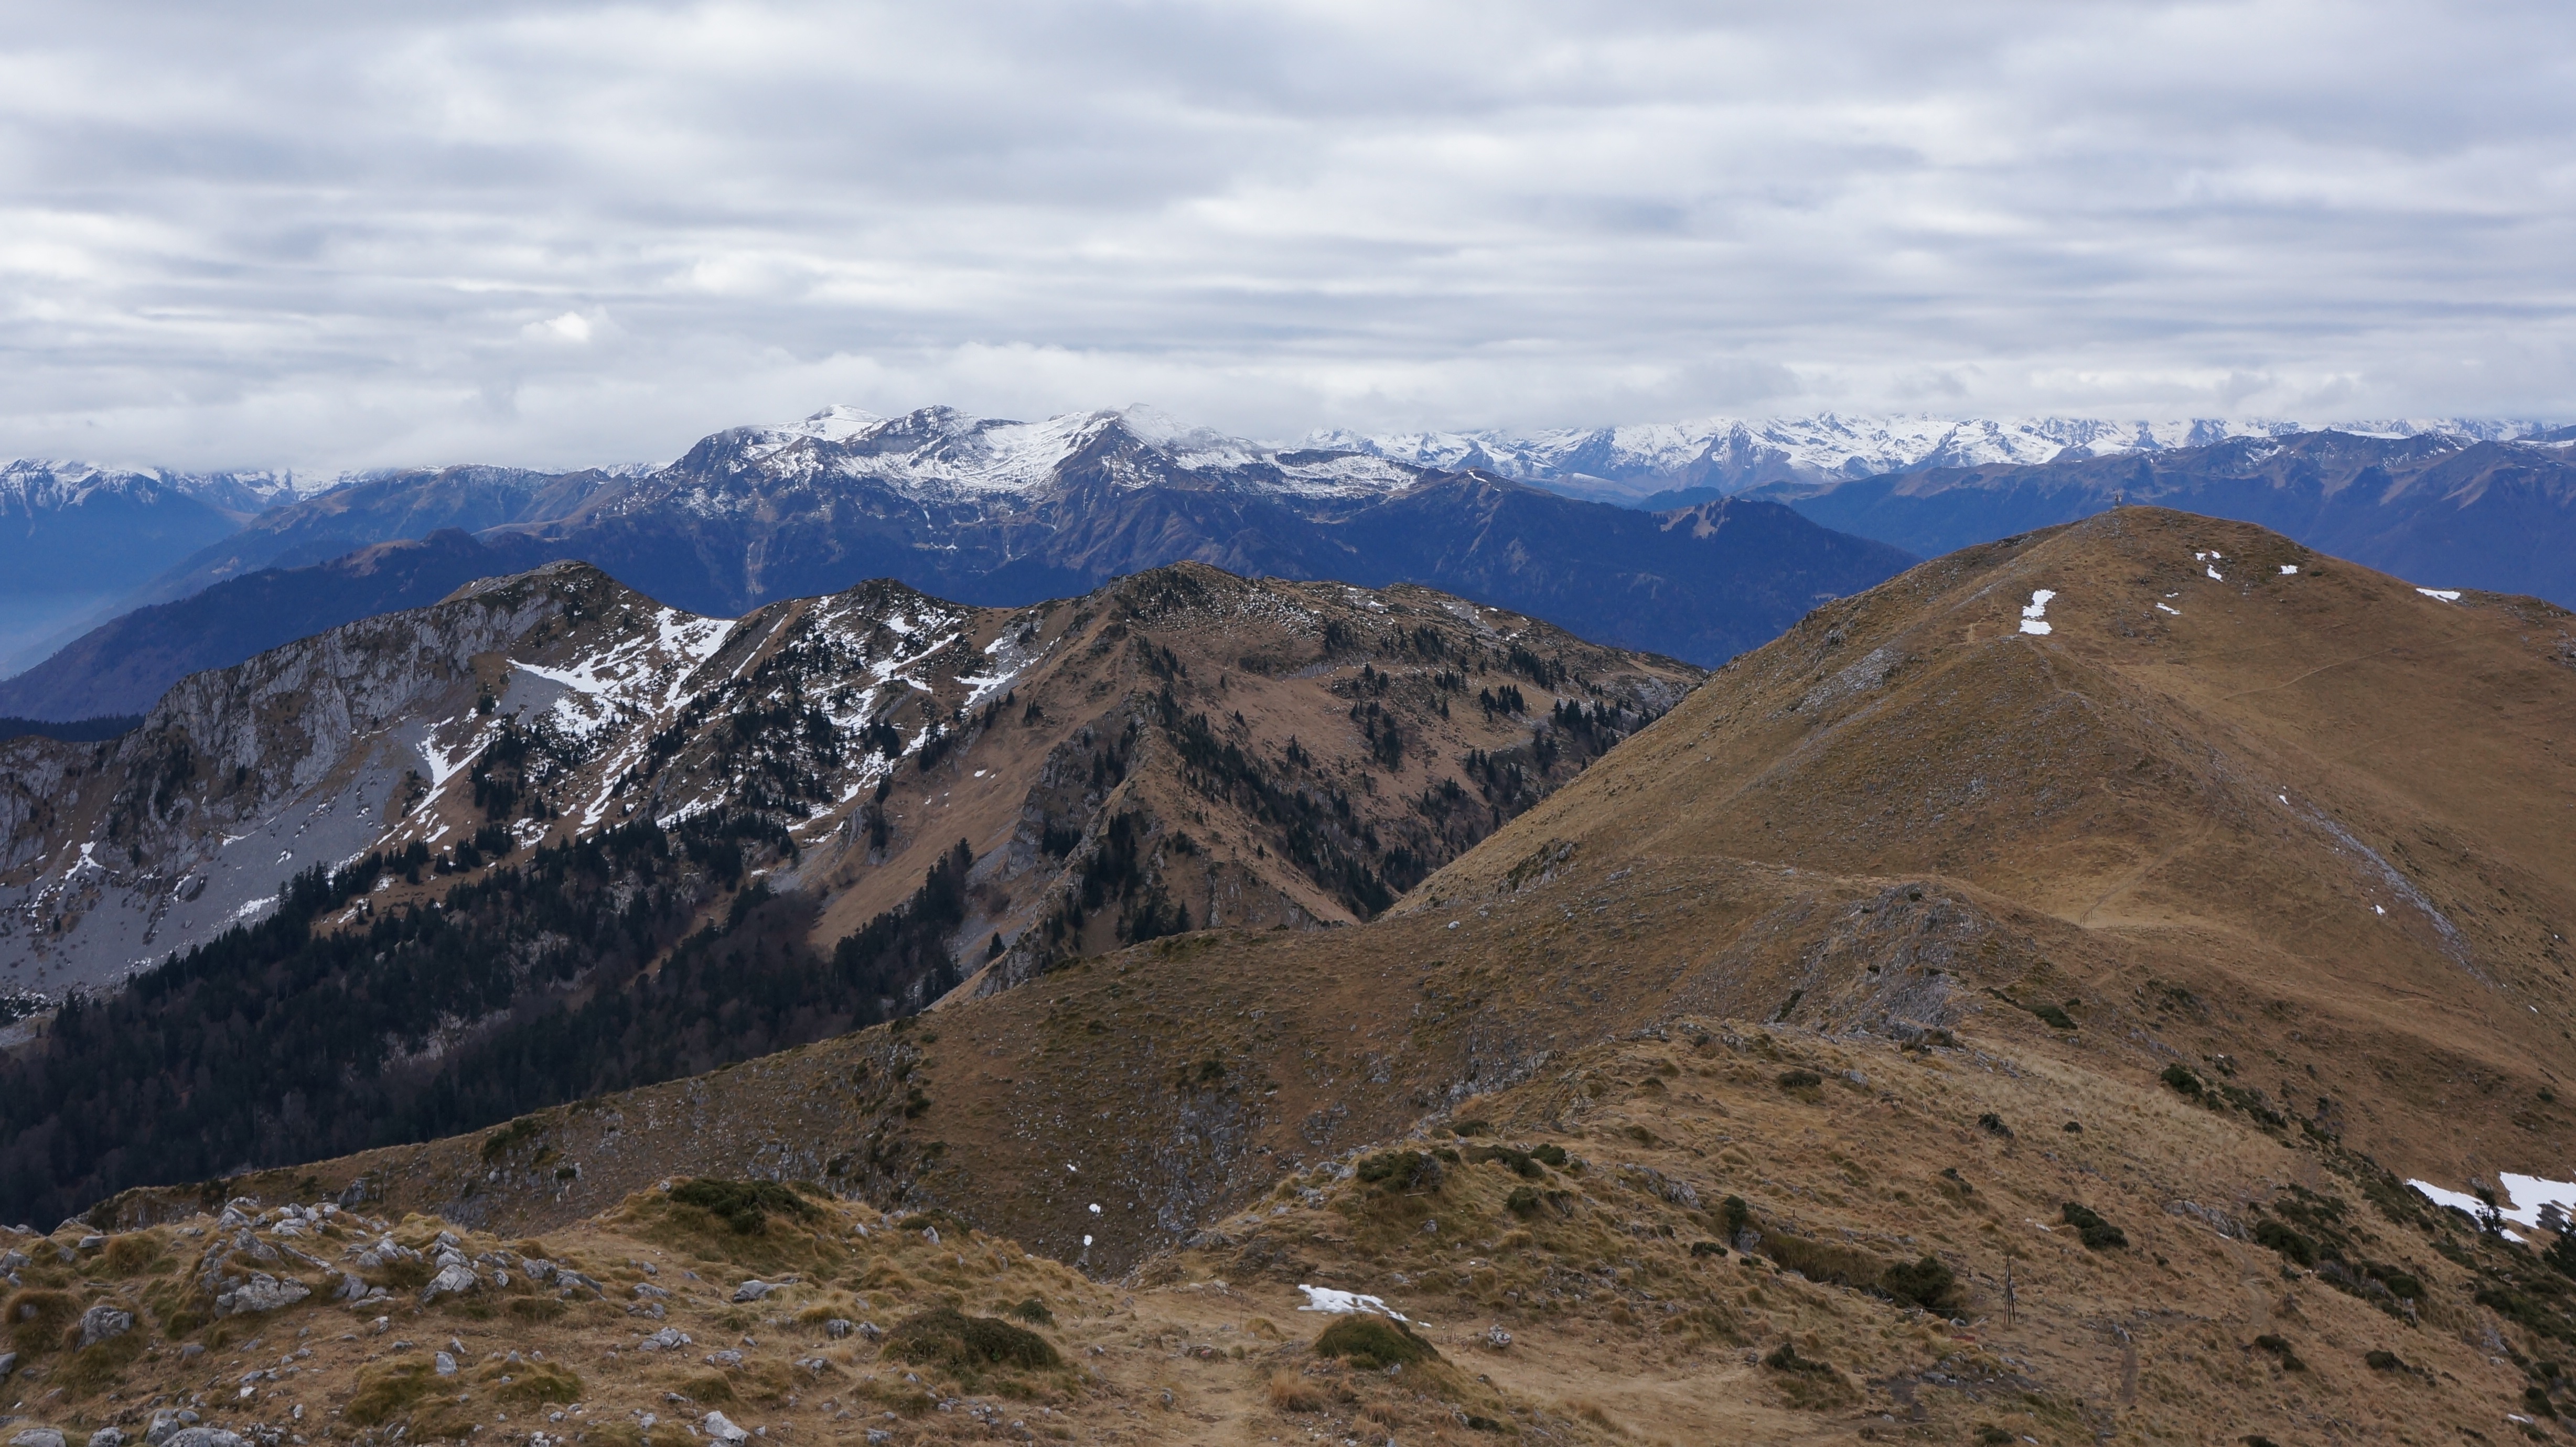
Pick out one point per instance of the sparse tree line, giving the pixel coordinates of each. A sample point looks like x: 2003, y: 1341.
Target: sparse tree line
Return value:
x: 331, y: 1027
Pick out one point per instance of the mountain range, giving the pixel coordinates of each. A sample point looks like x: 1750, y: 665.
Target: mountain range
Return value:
x: 1671, y: 464
x: 2492, y: 515
x: 991, y: 513
x: 2079, y: 990
x: 1004, y: 513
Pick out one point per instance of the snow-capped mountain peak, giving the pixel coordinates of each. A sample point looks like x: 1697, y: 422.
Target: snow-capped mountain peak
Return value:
x: 39, y: 484
x: 942, y: 452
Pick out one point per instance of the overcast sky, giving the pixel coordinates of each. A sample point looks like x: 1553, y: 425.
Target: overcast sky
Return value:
x: 336, y: 234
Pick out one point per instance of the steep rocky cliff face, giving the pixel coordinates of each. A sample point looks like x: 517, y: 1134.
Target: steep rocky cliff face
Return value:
x: 123, y: 851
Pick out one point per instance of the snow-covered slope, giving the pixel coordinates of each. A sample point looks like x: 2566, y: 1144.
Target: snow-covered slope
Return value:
x: 1727, y: 454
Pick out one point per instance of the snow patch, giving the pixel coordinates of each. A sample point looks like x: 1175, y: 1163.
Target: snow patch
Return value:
x: 1343, y: 1303
x: 2531, y: 1193
x: 2288, y: 568
x: 2521, y: 1201
x: 2168, y: 607
x: 2034, y: 617
x: 442, y: 764
x: 2447, y: 595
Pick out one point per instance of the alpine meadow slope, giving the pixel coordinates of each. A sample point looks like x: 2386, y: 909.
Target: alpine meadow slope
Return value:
x: 2014, y: 1001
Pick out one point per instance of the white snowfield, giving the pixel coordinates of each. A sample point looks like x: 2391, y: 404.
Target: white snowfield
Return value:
x: 2034, y: 616
x: 2447, y: 595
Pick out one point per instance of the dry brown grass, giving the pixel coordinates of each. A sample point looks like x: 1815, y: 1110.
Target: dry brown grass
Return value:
x: 1289, y: 1392
x: 1586, y: 1409
x: 2186, y: 911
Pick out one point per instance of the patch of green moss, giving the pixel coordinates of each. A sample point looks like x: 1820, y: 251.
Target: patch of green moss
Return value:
x: 746, y: 1206
x: 947, y: 1337
x: 1373, y: 1343
x: 2096, y: 1233
x: 534, y: 1384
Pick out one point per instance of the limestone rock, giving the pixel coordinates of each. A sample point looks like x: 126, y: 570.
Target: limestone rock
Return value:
x: 451, y: 1280
x: 262, y: 1292
x: 104, y: 1322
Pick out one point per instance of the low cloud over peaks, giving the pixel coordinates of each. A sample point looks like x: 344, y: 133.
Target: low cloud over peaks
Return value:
x: 555, y: 234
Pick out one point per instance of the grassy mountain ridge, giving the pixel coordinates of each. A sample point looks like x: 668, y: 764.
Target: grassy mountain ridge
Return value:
x: 2122, y: 970
x: 1931, y: 1027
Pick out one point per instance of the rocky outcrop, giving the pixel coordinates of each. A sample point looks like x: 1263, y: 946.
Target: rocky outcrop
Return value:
x: 104, y: 1322
x: 262, y: 1292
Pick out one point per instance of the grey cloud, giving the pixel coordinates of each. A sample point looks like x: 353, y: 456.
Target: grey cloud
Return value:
x: 335, y: 235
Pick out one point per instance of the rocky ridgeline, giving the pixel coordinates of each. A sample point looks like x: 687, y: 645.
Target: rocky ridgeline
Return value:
x: 558, y: 704
x: 692, y: 1306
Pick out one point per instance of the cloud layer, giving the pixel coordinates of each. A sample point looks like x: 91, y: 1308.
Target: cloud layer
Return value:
x: 337, y: 235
